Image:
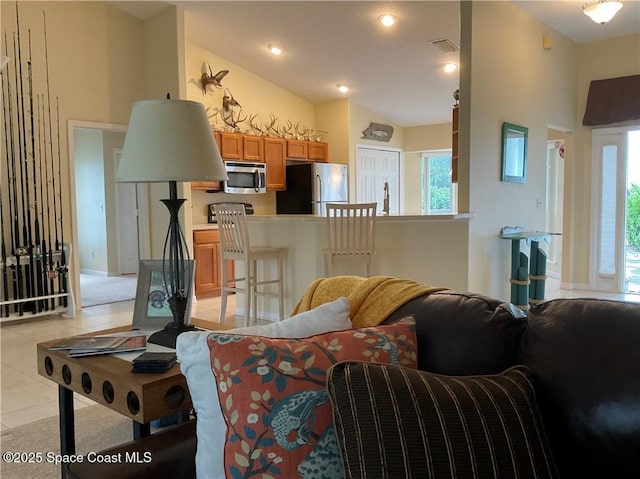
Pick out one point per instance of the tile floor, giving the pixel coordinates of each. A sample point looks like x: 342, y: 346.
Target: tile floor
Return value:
x: 26, y: 396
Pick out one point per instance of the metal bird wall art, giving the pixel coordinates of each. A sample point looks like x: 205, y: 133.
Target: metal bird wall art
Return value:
x: 228, y: 101
x: 210, y: 79
x: 232, y: 115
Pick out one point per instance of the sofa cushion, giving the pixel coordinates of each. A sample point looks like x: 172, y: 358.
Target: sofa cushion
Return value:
x: 274, y: 399
x: 195, y: 363
x: 464, y: 333
x: 397, y: 422
x: 585, y: 355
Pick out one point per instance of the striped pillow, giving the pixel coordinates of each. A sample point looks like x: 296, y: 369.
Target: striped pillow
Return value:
x: 397, y: 422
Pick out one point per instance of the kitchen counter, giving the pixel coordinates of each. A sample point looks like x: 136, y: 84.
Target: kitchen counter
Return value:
x: 379, y: 218
x: 432, y: 249
x: 205, y: 226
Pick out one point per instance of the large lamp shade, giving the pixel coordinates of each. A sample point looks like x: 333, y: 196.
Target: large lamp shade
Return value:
x: 169, y: 140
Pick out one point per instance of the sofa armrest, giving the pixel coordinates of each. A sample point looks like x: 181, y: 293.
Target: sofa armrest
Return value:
x: 166, y: 454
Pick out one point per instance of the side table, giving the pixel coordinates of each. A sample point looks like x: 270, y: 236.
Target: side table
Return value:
x: 108, y: 380
x: 527, y: 280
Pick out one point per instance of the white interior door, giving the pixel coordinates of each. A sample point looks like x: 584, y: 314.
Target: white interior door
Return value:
x: 127, y: 223
x: 374, y: 168
x: 608, y: 209
x: 555, y: 203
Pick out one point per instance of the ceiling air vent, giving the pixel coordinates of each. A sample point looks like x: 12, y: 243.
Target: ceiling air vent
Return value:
x: 445, y: 45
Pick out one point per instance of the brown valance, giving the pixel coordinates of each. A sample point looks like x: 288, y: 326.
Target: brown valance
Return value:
x: 613, y: 100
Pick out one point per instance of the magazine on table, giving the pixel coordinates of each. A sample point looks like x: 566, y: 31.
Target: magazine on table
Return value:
x: 108, y: 344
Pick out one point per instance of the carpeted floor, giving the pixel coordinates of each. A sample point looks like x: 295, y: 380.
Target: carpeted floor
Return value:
x: 98, y: 289
x: 97, y: 428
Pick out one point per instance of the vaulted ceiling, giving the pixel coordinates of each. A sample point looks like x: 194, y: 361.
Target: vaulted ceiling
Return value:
x: 395, y: 72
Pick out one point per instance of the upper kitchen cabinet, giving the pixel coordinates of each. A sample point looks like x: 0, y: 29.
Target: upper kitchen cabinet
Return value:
x: 297, y: 149
x: 253, y: 148
x: 209, y: 185
x: 276, y: 160
x: 307, y: 150
x: 318, y: 151
x: 231, y: 146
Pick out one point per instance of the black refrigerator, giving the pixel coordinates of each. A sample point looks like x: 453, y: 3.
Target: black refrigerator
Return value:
x: 310, y: 186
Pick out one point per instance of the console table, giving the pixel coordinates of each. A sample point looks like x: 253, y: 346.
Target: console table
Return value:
x: 527, y: 280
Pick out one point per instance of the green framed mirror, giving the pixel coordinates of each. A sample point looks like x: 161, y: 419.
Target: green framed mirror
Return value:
x: 514, y: 153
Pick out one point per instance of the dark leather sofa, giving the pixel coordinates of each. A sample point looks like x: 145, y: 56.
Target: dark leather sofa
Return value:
x: 585, y: 359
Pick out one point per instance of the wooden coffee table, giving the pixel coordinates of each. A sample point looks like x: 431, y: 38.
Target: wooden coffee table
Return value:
x: 108, y: 380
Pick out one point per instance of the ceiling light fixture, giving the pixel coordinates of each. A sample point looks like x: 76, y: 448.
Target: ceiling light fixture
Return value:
x: 342, y: 88
x: 276, y: 50
x: 450, y: 67
x: 602, y: 11
x: 387, y: 20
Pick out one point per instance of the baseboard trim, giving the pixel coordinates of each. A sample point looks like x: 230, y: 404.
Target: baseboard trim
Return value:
x: 93, y: 272
x: 571, y: 286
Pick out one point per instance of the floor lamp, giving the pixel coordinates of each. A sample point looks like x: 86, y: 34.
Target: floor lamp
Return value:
x: 172, y: 141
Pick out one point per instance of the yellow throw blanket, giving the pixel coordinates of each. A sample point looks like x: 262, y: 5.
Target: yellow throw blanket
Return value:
x: 371, y: 300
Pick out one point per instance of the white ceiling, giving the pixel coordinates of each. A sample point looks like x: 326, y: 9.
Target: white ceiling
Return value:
x: 395, y: 73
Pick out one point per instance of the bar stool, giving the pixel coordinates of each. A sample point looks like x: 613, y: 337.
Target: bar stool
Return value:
x: 235, y: 246
x: 350, y: 235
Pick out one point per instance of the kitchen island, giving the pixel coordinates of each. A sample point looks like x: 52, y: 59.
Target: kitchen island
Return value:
x: 429, y: 249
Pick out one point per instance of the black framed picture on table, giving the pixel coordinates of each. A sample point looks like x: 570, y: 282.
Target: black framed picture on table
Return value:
x: 151, y: 310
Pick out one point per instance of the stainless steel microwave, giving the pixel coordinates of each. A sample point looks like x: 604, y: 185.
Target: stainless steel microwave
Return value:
x: 245, y: 178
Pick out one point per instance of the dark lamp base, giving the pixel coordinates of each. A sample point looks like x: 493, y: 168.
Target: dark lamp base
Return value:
x: 167, y: 337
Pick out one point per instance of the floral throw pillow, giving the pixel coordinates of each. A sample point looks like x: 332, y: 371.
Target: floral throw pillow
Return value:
x: 274, y: 399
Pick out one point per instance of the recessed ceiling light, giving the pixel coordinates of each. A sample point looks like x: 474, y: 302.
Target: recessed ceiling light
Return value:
x: 276, y: 50
x: 387, y: 20
x: 450, y: 67
x: 342, y: 88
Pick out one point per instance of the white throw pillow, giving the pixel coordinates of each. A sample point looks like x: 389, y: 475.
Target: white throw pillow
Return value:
x: 195, y: 362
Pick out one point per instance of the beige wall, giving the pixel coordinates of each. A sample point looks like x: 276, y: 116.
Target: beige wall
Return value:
x: 598, y: 60
x: 162, y: 73
x: 257, y: 96
x: 95, y: 65
x: 537, y: 90
x: 428, y: 137
x: 109, y: 59
x: 101, y: 60
x: 416, y: 140
x: 333, y: 117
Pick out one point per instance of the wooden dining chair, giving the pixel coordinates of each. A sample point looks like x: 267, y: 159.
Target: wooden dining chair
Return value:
x: 350, y: 235
x: 235, y: 246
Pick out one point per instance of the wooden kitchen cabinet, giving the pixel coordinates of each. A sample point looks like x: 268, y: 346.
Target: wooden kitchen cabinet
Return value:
x: 206, y: 185
x: 231, y: 146
x: 209, y: 185
x: 275, y: 158
x: 318, y: 151
x: 253, y: 148
x: 297, y: 149
x: 206, y: 252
